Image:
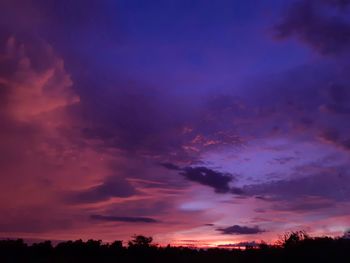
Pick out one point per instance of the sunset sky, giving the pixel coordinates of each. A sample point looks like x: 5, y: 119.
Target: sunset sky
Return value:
x: 196, y: 122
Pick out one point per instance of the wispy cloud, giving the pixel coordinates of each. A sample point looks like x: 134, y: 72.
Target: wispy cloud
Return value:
x: 126, y: 219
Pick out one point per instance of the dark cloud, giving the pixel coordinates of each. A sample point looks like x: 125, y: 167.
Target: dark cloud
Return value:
x: 126, y: 219
x: 112, y: 187
x: 237, y: 191
x: 219, y: 181
x: 323, y: 31
x: 240, y: 230
x: 205, y: 176
x: 171, y: 166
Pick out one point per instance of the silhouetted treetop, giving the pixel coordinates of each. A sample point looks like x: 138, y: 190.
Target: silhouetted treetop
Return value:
x: 140, y: 241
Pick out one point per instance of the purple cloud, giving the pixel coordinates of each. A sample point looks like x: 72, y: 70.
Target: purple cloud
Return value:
x: 324, y: 32
x: 331, y: 186
x: 240, y: 230
x: 219, y: 181
x: 112, y: 187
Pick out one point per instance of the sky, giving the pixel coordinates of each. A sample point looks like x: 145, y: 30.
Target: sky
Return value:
x: 199, y: 123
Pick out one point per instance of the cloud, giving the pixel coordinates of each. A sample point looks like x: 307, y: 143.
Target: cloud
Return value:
x: 219, y: 181
x: 32, y: 225
x: 284, y: 160
x: 36, y: 95
x: 304, y: 204
x: 337, y: 3
x: 338, y: 96
x: 328, y: 185
x: 112, y: 187
x: 126, y: 219
x: 171, y: 166
x: 336, y: 138
x: 154, y: 125
x: 66, y: 148
x: 240, y: 230
x: 240, y: 244
x: 335, y: 109
x: 326, y: 32
x: 33, y: 88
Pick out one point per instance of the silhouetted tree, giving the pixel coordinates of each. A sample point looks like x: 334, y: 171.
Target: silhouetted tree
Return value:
x: 116, y: 245
x: 293, y: 238
x: 140, y: 241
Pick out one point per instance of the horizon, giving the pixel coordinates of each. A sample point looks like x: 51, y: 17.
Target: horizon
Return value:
x: 217, y: 122
x: 193, y: 244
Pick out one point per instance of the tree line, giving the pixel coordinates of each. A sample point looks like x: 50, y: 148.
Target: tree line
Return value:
x: 292, y: 247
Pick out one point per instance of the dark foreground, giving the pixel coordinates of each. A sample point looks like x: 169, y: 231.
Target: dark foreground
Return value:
x: 295, y: 247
